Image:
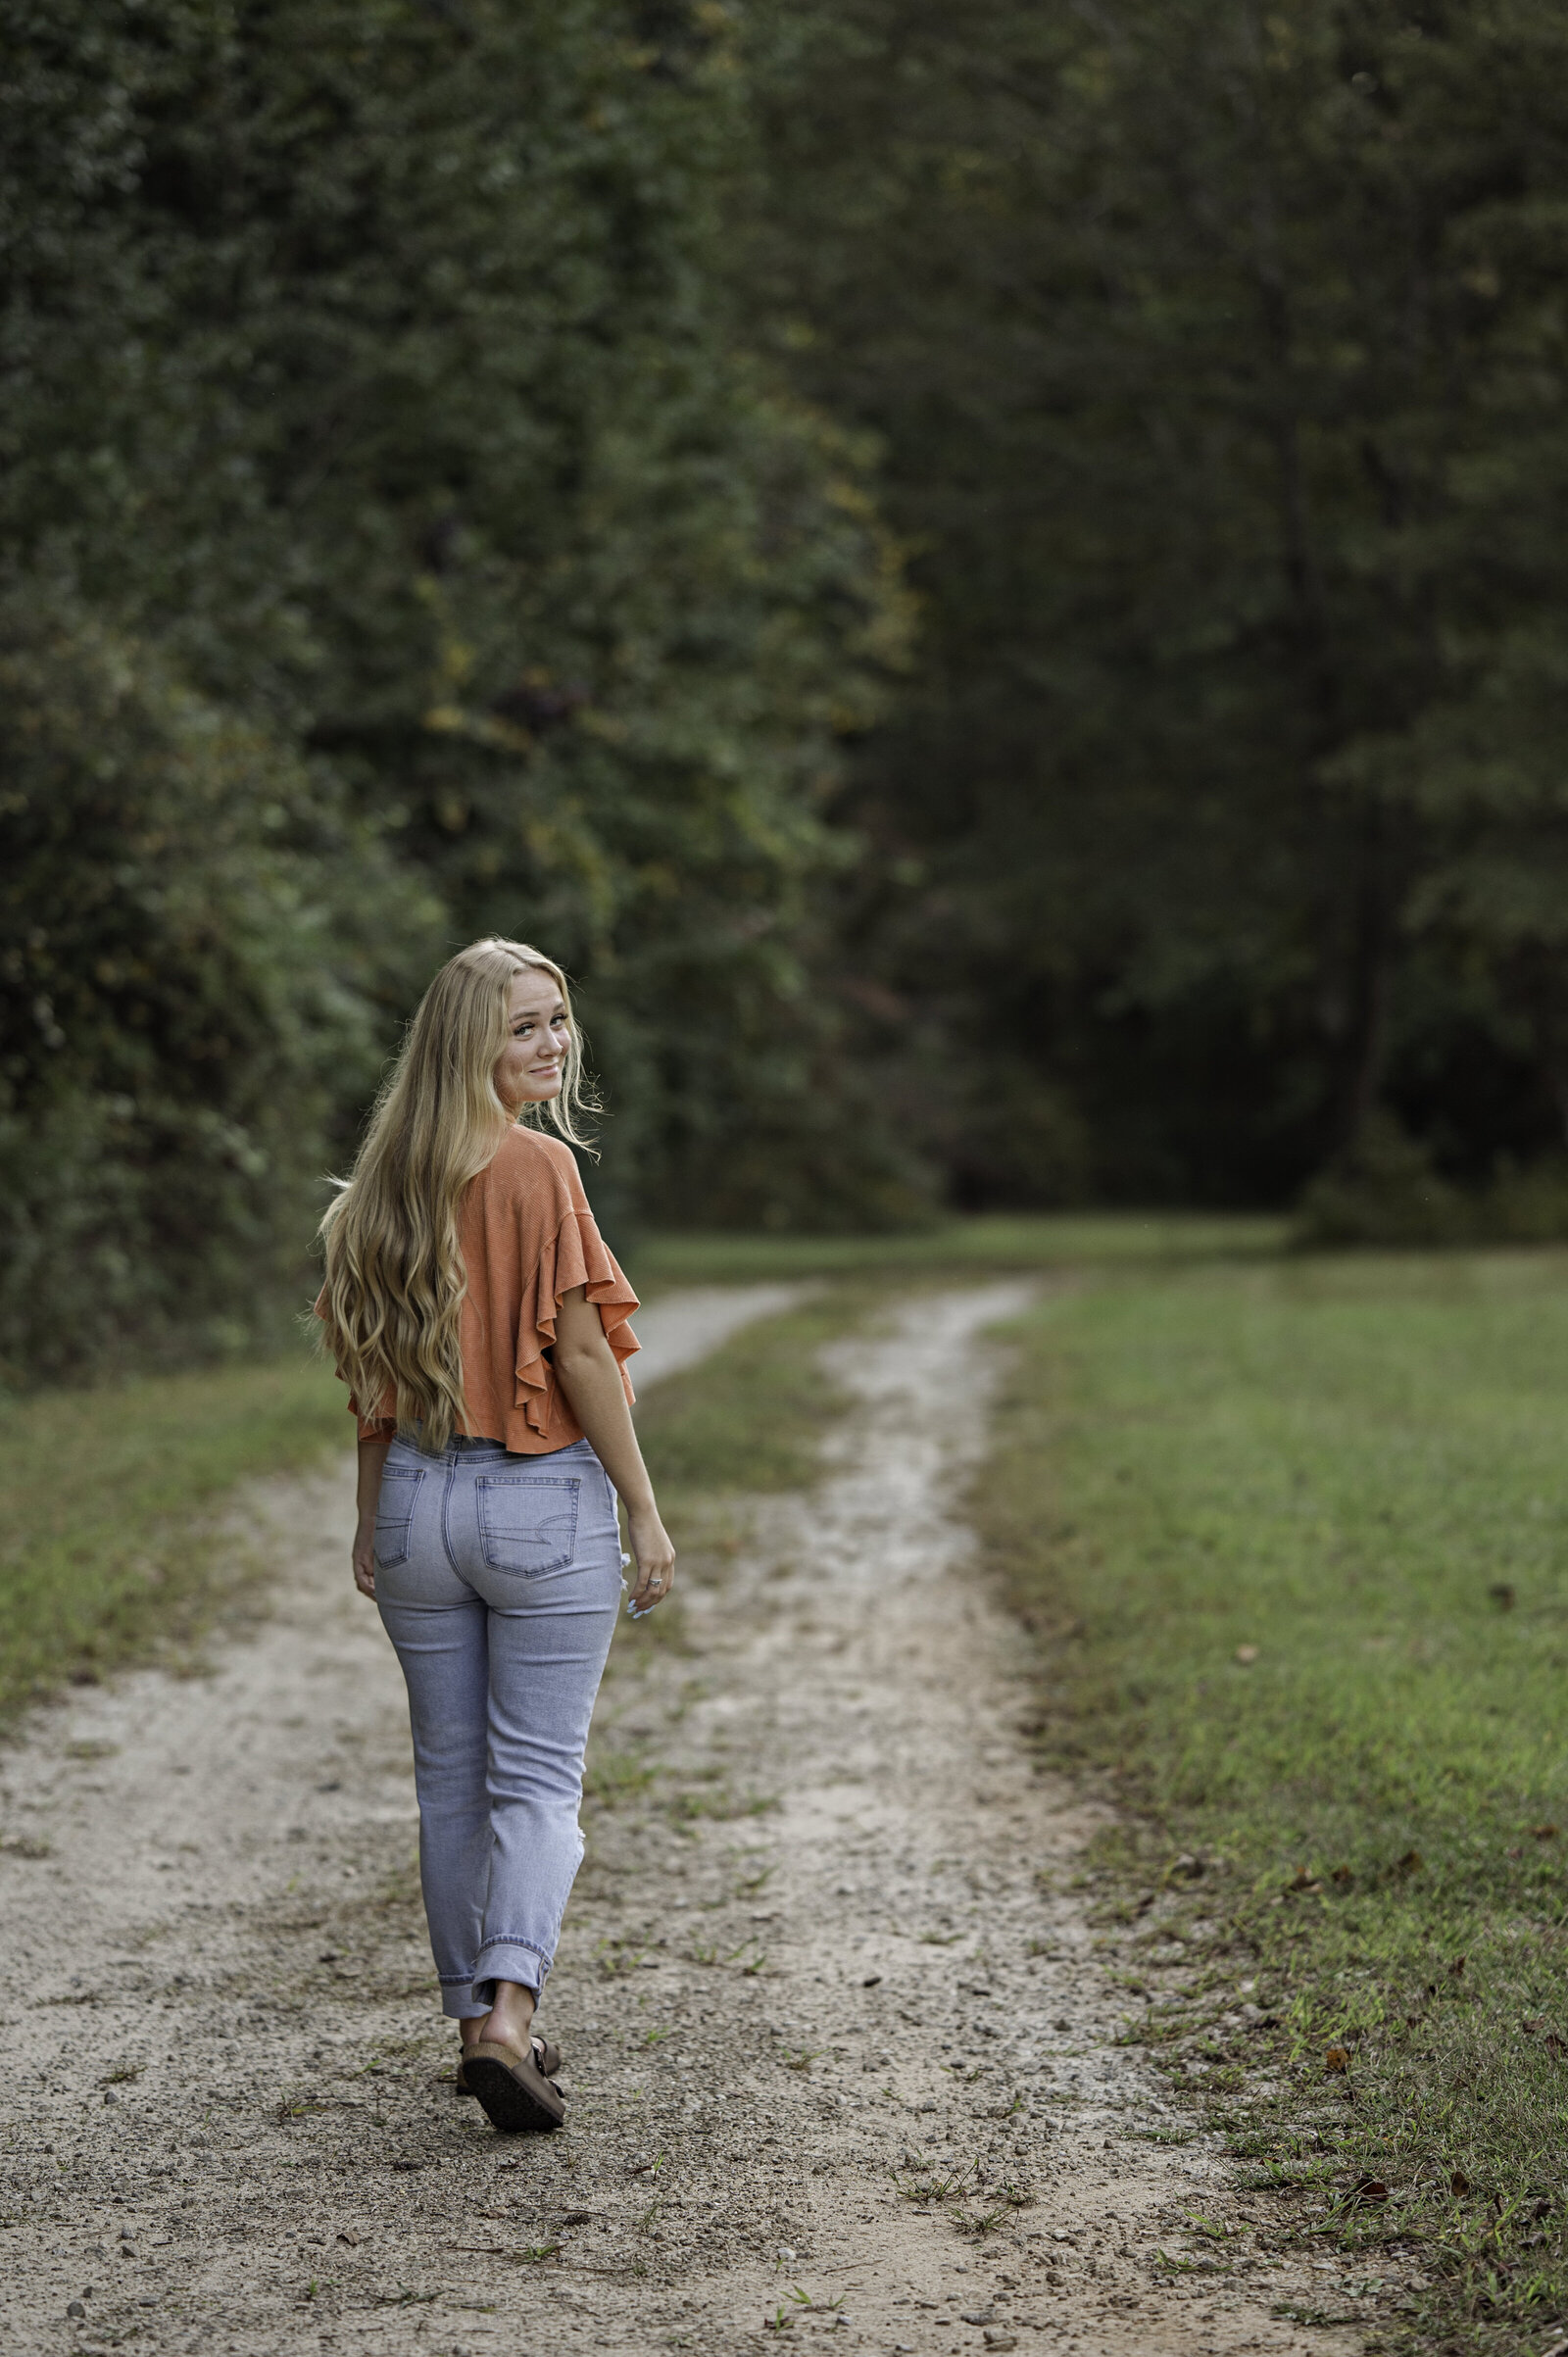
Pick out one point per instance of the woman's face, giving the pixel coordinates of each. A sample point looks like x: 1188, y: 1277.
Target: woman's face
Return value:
x: 532, y: 1063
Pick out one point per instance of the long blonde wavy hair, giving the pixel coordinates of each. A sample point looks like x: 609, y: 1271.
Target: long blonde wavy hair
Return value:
x: 395, y: 1277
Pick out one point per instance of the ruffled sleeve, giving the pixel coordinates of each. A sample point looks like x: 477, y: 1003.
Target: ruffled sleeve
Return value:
x: 571, y: 1253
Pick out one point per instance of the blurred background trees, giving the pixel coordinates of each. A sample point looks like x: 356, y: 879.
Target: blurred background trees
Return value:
x: 991, y: 580
x: 1217, y: 354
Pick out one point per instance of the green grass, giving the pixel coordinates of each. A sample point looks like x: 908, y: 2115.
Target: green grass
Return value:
x: 105, y: 1508
x: 1355, y: 1467
x: 109, y: 1497
x: 749, y: 1418
x: 963, y: 1246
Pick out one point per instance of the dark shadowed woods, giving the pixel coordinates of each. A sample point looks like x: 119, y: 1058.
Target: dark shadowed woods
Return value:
x: 992, y: 583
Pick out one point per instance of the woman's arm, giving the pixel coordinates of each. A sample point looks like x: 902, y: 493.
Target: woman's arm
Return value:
x: 586, y: 1370
x: 372, y: 1456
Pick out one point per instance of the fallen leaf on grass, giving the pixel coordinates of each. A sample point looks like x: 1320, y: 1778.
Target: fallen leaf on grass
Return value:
x: 1457, y: 1967
x: 1367, y: 2193
x: 1544, y: 1833
x: 1337, y: 2059
x: 1553, y: 2044
x: 1458, y: 2183
x: 1410, y: 1863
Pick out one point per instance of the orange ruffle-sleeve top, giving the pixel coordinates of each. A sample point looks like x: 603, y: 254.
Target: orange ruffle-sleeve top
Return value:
x: 528, y: 1238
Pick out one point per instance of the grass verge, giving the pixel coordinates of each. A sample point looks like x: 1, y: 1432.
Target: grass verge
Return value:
x: 107, y: 1501
x: 748, y: 1420
x: 1295, y: 1539
x: 109, y: 1497
x: 956, y: 1247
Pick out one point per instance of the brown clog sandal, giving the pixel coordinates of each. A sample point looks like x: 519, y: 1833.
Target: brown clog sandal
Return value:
x: 513, y: 2091
x: 548, y: 2055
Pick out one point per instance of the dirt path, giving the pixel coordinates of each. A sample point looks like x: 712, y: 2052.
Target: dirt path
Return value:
x: 810, y: 1974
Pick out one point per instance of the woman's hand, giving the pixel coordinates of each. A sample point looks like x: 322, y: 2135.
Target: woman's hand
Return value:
x: 364, y: 1560
x: 372, y: 1456
x: 586, y: 1372
x: 655, y: 1558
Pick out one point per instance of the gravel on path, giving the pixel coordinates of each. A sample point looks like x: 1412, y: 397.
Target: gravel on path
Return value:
x: 842, y: 2063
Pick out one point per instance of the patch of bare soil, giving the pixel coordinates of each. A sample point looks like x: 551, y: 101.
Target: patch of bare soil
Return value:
x: 843, y: 2067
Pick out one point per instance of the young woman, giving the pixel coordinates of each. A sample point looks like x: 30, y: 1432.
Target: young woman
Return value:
x: 482, y: 1328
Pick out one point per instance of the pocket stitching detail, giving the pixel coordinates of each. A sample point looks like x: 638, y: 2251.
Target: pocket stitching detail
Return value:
x: 391, y: 1530
x: 491, y: 1540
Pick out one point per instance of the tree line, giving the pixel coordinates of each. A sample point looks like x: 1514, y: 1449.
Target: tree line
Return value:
x: 988, y: 580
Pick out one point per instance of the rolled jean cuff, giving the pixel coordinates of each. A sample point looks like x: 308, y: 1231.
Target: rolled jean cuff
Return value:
x: 509, y: 1960
x: 459, y: 2002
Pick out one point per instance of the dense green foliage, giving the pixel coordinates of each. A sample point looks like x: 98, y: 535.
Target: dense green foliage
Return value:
x: 1218, y: 352
x: 187, y: 994
x: 369, y: 378
x: 515, y: 427
x: 1294, y: 1542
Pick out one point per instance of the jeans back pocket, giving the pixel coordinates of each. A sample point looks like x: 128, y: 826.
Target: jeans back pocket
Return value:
x: 527, y: 1521
x: 394, y: 1514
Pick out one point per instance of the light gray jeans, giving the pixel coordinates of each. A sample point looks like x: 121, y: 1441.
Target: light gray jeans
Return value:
x: 498, y: 1580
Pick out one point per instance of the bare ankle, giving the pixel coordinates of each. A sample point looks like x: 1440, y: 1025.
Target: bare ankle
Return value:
x: 511, y: 2014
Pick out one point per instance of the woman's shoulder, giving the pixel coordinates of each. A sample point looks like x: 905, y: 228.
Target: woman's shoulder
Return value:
x: 528, y: 1163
